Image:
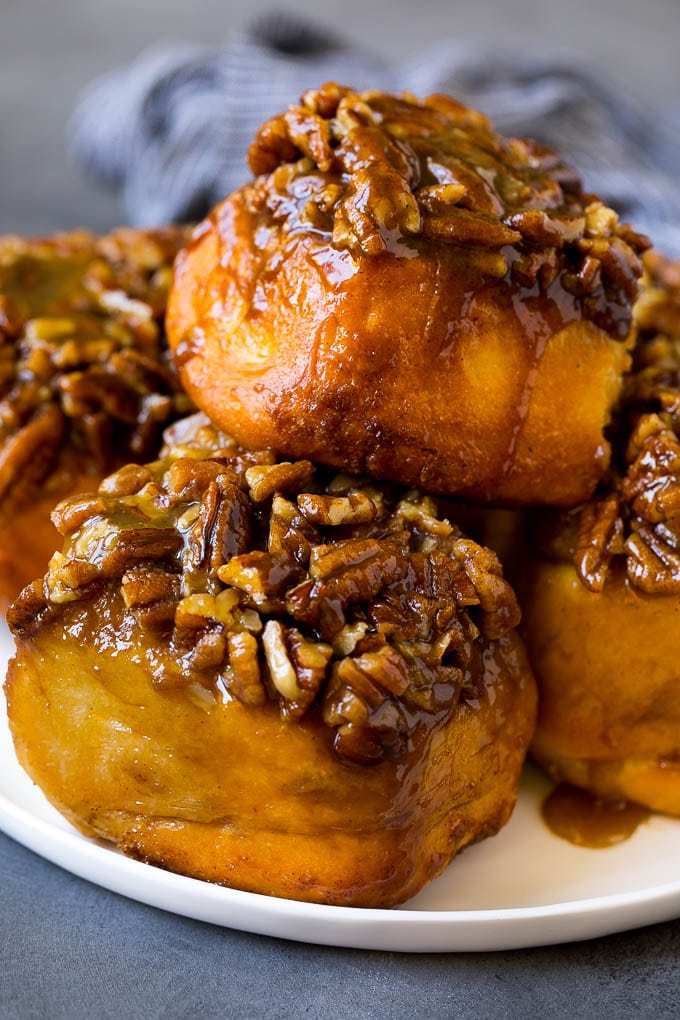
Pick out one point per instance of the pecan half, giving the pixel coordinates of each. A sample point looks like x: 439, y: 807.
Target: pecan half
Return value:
x: 600, y: 537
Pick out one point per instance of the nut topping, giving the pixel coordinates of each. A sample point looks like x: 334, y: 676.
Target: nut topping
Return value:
x: 339, y: 600
x: 378, y: 173
x: 636, y: 515
x: 84, y: 368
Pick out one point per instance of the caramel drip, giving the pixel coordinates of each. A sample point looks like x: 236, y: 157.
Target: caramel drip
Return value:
x: 584, y: 820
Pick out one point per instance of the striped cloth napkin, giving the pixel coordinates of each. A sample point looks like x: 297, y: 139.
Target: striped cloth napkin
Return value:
x: 170, y: 131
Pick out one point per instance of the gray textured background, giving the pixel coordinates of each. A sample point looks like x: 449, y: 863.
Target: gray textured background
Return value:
x: 70, y: 950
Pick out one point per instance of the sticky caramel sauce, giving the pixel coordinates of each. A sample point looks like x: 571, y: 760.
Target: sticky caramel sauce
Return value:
x: 584, y: 820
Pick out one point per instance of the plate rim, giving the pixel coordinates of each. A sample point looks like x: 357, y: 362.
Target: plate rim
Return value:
x: 410, y: 930
x: 485, y: 929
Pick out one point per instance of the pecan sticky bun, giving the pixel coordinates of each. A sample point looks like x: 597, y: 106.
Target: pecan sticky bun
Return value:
x: 404, y: 293
x: 602, y: 605
x: 268, y: 675
x: 85, y: 378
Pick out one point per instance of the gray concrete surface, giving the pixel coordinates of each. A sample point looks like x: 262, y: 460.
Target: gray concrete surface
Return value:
x: 72, y: 951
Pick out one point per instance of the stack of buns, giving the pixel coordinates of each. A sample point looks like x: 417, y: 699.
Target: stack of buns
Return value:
x: 270, y: 657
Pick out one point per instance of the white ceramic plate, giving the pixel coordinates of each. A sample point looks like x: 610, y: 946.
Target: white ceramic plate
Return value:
x: 522, y: 888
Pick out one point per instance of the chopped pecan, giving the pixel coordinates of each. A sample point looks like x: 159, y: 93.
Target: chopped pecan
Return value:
x: 500, y: 610
x: 462, y: 226
x: 188, y: 478
x: 113, y: 549
x: 620, y: 266
x: 290, y: 534
x: 243, y: 678
x: 436, y: 198
x: 349, y: 637
x: 267, y: 480
x: 325, y: 100
x: 207, y: 655
x: 384, y: 667
x: 85, y: 393
x: 587, y: 279
x: 341, y: 575
x: 361, y: 685
x: 193, y: 611
x: 309, y: 658
x: 222, y: 529
x: 272, y: 145
x: 364, y: 734
x: 281, y: 669
x: 68, y: 516
x: 141, y: 586
x: 538, y: 227
x: 653, y: 564
x: 355, y: 508
x: 358, y: 568
x: 423, y: 514
x: 446, y: 578
x: 32, y: 451
x: 126, y: 482
x: 27, y: 608
x: 600, y: 220
x: 311, y: 135
x: 652, y: 482
x: 67, y: 578
x: 262, y: 578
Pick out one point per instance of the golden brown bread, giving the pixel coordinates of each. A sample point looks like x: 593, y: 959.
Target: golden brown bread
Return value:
x: 85, y: 381
x: 609, y: 698
x: 602, y: 607
x: 264, y: 676
x: 404, y: 293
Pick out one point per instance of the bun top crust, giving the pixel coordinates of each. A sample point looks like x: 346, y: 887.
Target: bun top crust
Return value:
x: 379, y: 173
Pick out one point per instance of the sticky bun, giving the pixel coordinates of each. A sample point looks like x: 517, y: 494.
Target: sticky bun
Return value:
x: 401, y: 292
x: 602, y: 608
x: 271, y: 676
x: 85, y: 379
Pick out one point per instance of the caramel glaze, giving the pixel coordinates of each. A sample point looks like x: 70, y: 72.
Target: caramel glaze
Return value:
x: 584, y: 820
x: 196, y: 782
x: 295, y: 348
